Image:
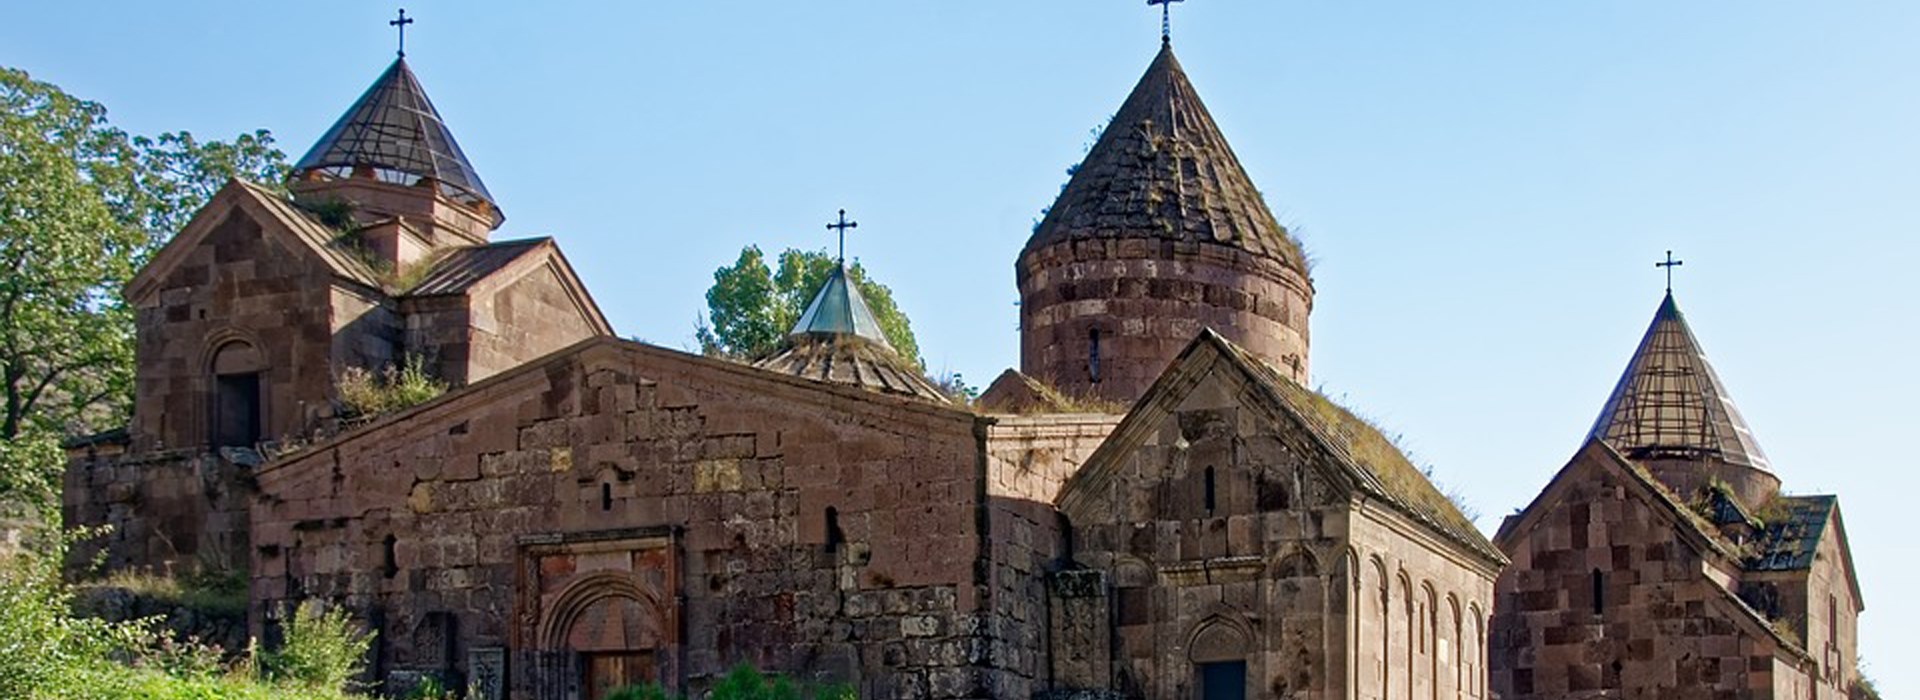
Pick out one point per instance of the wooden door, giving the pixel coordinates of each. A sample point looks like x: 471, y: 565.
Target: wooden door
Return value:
x: 607, y: 672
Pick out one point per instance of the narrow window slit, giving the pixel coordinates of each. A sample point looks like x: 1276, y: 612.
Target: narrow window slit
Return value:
x: 1208, y: 496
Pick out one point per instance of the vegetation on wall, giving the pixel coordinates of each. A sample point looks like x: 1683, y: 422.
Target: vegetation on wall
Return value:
x: 364, y: 394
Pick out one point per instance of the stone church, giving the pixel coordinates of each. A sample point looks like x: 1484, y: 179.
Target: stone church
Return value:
x: 581, y: 512
x: 1663, y: 560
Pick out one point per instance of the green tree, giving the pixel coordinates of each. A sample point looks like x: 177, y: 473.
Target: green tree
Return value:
x: 82, y: 206
x: 752, y: 306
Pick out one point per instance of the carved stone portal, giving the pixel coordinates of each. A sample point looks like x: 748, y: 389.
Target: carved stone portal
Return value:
x: 599, y: 611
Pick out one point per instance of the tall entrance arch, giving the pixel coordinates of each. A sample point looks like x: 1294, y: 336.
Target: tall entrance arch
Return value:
x: 598, y: 612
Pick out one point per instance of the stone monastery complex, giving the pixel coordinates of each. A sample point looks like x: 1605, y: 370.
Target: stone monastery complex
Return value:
x: 582, y: 512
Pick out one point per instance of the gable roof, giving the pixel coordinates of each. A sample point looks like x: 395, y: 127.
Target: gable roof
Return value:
x: 461, y: 268
x: 1790, y: 539
x: 1670, y: 403
x: 1692, y: 528
x: 394, y: 130
x: 277, y: 217
x: 471, y: 270
x: 828, y: 395
x: 1367, y: 459
x: 1163, y: 170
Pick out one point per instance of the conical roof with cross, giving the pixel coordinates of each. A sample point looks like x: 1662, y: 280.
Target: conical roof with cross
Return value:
x: 1163, y: 170
x: 1670, y: 403
x: 394, y: 132
x: 838, y: 340
x: 839, y: 309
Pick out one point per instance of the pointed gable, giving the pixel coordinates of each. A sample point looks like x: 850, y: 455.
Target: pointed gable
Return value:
x: 1163, y: 170
x: 1670, y: 403
x: 277, y: 216
x: 394, y: 131
x: 1365, y: 460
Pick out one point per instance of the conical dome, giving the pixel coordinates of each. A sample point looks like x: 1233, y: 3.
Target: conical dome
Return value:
x: 394, y: 132
x: 838, y: 340
x: 1670, y: 404
x: 1163, y: 170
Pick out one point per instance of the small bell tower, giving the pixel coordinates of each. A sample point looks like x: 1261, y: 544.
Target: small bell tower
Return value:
x: 390, y: 170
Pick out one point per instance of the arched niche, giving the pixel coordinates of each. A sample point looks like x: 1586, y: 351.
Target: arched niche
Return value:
x: 1218, y: 650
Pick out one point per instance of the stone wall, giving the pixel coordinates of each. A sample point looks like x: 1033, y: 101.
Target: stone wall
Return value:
x: 1233, y: 545
x: 808, y: 529
x: 239, y: 286
x: 1147, y: 298
x: 1420, y: 612
x: 531, y: 317
x: 1029, y: 458
x: 1607, y: 593
x: 169, y: 512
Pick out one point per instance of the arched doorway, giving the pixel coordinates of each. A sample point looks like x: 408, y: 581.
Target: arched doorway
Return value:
x: 1219, y: 654
x: 237, y: 402
x: 610, y: 631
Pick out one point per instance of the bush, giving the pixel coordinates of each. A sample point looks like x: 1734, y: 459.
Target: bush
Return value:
x: 363, y: 393
x: 46, y: 652
x: 323, y: 650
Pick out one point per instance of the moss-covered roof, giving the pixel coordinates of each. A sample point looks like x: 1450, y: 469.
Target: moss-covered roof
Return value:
x: 1383, y: 469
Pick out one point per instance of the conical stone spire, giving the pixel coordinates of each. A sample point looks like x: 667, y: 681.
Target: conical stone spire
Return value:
x: 393, y: 135
x: 838, y: 340
x: 1671, y: 412
x: 1163, y: 170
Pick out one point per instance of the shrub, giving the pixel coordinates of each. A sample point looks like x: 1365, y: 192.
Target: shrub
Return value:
x: 323, y: 650
x: 363, y: 393
x: 46, y: 652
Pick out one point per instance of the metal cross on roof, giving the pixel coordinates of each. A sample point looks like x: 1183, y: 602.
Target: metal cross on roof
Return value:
x: 842, y: 227
x: 1166, y: 18
x: 402, y: 23
x: 1669, y: 265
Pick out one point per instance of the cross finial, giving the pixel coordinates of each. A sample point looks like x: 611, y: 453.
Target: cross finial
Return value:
x: 1669, y: 265
x: 402, y: 23
x: 841, y: 227
x: 1166, y: 18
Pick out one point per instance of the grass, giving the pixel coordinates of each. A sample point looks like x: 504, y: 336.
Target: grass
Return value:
x: 219, y: 594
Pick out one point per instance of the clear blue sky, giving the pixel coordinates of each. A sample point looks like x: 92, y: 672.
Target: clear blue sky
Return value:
x: 1484, y: 185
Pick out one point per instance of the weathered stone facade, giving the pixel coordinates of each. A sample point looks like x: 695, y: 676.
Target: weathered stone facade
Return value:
x: 246, y: 319
x: 1249, y: 533
x: 1663, y: 562
x: 582, y: 513
x: 797, y: 525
